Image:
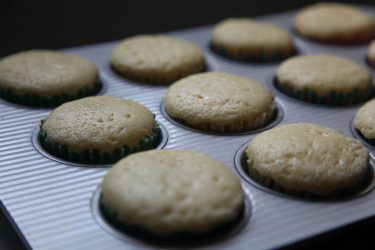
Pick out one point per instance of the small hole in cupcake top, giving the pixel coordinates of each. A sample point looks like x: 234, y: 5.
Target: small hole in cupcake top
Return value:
x: 180, y: 197
x: 200, y: 96
x: 215, y: 178
x: 167, y: 210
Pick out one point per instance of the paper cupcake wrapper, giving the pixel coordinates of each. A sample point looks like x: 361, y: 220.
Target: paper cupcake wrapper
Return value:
x: 111, y: 217
x: 95, y: 156
x: 252, y: 55
x: 56, y: 100
x: 176, y: 237
x: 273, y: 185
x: 162, y: 80
x: 353, y: 39
x: 335, y: 98
x: 236, y: 126
x: 361, y: 136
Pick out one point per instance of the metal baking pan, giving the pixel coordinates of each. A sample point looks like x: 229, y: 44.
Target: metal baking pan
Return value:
x: 52, y: 203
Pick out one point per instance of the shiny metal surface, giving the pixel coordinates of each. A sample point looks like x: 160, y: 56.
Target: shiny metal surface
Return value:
x: 50, y: 201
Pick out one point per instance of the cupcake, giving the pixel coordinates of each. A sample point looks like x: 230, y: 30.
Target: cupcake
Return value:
x: 324, y: 79
x: 46, y: 78
x: 371, y: 54
x: 99, y: 130
x: 307, y: 160
x: 364, y: 121
x: 156, y: 58
x: 220, y: 102
x: 335, y: 23
x: 246, y: 40
x: 171, y: 193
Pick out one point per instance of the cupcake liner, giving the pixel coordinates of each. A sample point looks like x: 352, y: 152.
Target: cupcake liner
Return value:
x: 251, y: 55
x: 274, y: 185
x: 38, y: 101
x: 136, y: 77
x: 335, y: 98
x: 359, y: 135
x: 355, y: 39
x: 111, y: 216
x: 176, y: 237
x: 162, y: 80
x: 236, y: 126
x: 94, y: 156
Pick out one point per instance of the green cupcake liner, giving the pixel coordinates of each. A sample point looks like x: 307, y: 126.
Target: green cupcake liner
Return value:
x: 94, y: 156
x: 177, y: 237
x: 334, y: 98
x: 111, y: 216
x: 344, y: 192
x: 56, y: 100
x: 162, y: 80
x: 251, y: 56
x: 357, y: 133
x: 363, y: 37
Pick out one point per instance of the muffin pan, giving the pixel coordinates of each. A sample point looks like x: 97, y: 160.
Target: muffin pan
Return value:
x: 53, y: 203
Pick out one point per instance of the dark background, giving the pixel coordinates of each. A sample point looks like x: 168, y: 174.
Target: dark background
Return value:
x: 60, y: 24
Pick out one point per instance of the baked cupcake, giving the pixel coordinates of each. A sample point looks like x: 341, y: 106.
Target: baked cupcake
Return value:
x: 308, y: 160
x: 364, y: 121
x: 156, y: 58
x: 99, y: 130
x: 371, y: 54
x: 324, y: 79
x: 46, y: 78
x: 168, y: 194
x: 335, y: 23
x: 246, y: 40
x: 220, y: 102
